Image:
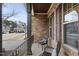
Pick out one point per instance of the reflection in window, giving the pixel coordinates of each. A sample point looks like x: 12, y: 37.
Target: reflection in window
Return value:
x: 71, y: 29
x: 72, y: 16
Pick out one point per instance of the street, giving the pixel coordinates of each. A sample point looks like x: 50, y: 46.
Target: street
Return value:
x: 12, y: 40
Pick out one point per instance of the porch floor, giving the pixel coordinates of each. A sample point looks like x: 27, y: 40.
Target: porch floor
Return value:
x: 36, y: 49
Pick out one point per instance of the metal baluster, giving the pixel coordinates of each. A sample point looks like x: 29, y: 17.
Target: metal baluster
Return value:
x: 17, y: 51
x: 12, y: 53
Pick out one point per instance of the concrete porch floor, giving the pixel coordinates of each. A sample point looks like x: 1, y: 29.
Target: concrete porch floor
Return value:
x: 36, y: 49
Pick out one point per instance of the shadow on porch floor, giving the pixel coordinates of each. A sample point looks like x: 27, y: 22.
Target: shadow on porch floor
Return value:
x: 38, y: 51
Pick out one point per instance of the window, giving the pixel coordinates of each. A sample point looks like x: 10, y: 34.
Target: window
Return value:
x: 71, y: 28
x: 68, y: 7
x: 50, y: 27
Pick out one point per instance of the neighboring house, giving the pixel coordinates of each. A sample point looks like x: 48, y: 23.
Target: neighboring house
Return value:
x: 5, y: 29
x: 20, y: 28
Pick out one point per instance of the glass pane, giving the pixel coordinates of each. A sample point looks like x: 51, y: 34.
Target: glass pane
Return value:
x: 72, y: 16
x: 71, y: 29
x: 50, y: 24
x: 50, y: 32
x: 50, y: 20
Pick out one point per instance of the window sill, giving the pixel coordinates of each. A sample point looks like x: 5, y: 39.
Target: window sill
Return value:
x: 70, y: 50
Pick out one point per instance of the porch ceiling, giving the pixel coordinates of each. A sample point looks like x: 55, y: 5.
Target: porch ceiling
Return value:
x: 41, y: 7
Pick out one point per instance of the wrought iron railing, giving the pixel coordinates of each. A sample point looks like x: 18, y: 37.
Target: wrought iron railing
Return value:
x: 19, y: 51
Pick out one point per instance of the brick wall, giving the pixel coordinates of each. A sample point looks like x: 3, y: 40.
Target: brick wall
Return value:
x: 39, y: 26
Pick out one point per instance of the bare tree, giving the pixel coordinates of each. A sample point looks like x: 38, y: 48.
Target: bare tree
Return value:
x: 7, y: 16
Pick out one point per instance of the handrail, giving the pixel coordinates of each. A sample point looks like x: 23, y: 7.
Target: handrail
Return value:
x: 19, y: 51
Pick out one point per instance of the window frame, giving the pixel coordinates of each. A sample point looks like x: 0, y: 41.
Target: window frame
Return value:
x: 64, y: 23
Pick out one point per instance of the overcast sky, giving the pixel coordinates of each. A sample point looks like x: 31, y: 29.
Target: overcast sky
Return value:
x: 17, y: 7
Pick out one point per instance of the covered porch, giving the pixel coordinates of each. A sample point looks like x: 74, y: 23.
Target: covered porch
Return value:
x: 42, y: 28
x: 49, y: 31
x: 47, y: 21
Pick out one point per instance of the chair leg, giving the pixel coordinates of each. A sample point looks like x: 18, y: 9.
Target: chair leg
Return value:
x: 42, y: 47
